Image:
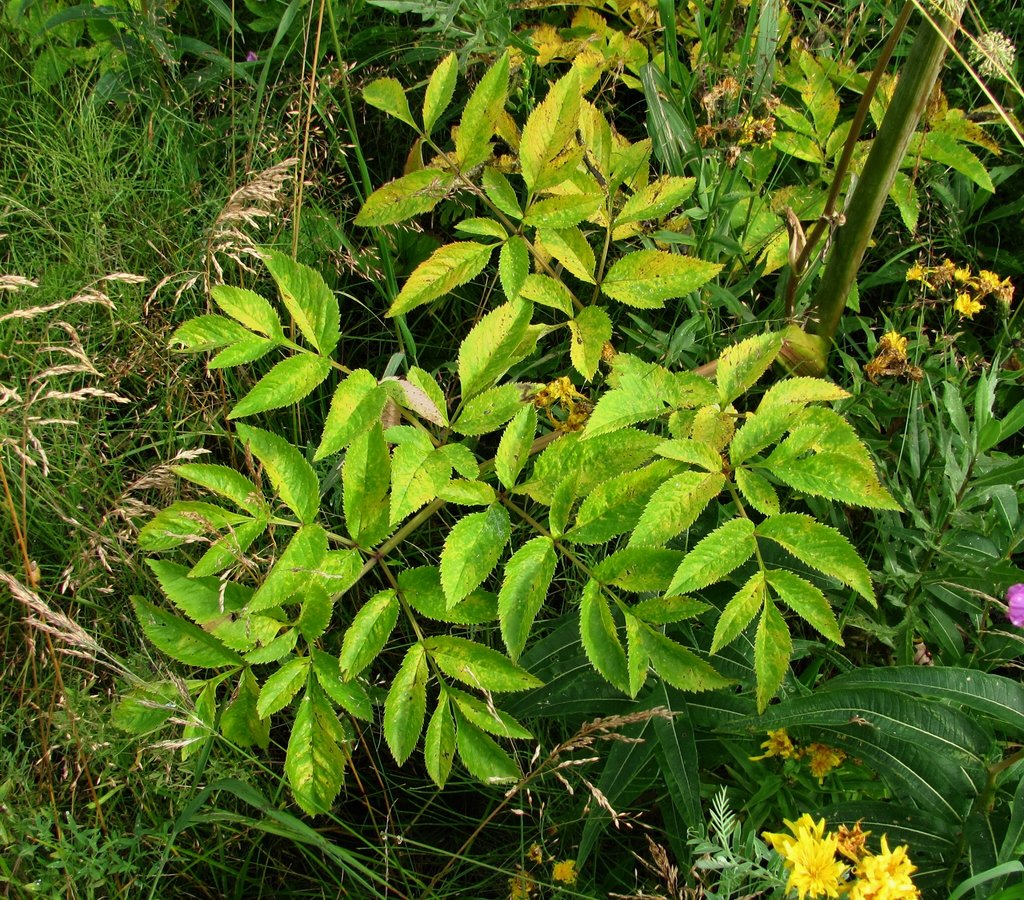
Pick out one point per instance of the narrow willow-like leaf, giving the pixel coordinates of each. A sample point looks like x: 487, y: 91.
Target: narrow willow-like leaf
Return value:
x: 489, y: 350
x: 678, y: 666
x: 821, y: 548
x: 439, y: 743
x: 207, y: 332
x: 240, y: 723
x: 647, y: 278
x: 757, y: 491
x: 742, y: 364
x: 351, y: 696
x: 600, y: 638
x: 656, y: 200
x: 440, y: 89
x: 501, y: 194
x: 528, y: 575
x: 251, y: 309
x: 806, y: 601
x: 388, y: 95
x: 801, y: 390
x: 200, y: 724
x: 725, y: 549
x: 316, y: 760
x: 368, y: 633
x: 615, y: 506
x: 309, y: 300
x: 638, y: 662
x: 447, y: 268
x: 563, y: 211
x: 490, y: 410
x: 472, y: 550
x: 365, y: 479
x: 571, y: 249
x: 478, y: 227
x: 406, y: 704
x: 405, y: 197
x: 291, y: 476
x: 513, y: 266
x: 274, y: 650
x: 591, y: 329
x: 296, y: 567
x: 514, y: 446
x: 739, y: 612
x: 546, y: 291
x: 357, y: 403
x: 773, y: 648
x: 281, y: 687
x: 287, y: 383
x: 181, y: 640
x: 226, y: 482
x: 478, y: 666
x: 481, y: 756
x: 480, y: 116
x: 550, y: 126
x: 675, y: 506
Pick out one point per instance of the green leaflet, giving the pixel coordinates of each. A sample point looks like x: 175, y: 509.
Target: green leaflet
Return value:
x: 281, y: 687
x: 656, y: 200
x: 447, y: 268
x: 249, y: 308
x: 182, y: 640
x: 405, y: 197
x: 740, y: 367
x: 349, y: 695
x: 481, y: 756
x: 287, y: 383
x: 836, y: 476
x: 773, y: 648
x: 406, y: 704
x: 696, y: 453
x: 310, y: 302
x: 365, y: 479
x: 502, y: 195
x: 297, y: 565
x: 439, y: 743
x: 274, y: 650
x: 208, y: 332
x: 291, y: 476
x: 821, y: 548
x: 183, y: 520
x: 549, y: 128
x: 547, y: 291
x: 490, y: 410
x: 571, y: 249
x: 665, y: 610
x: 486, y: 717
x: 638, y: 663
x: 513, y: 266
x: 201, y: 723
x: 757, y: 491
x: 230, y: 548
x: 472, y: 550
x: 638, y: 569
x: 515, y: 444
x: 440, y: 89
x: 246, y: 350
x: 478, y: 666
x: 464, y: 492
x: 739, y: 612
x: 226, y: 482
x: 490, y: 348
x: 614, y: 507
x: 591, y: 329
x: 418, y: 473
x: 315, y: 614
x: 675, y: 506
x: 368, y: 633
x: 528, y: 575
x: 647, y: 278
x: 947, y: 150
x: 316, y: 759
x: 725, y: 549
x: 388, y: 95
x: 421, y: 588
x: 480, y: 116
x: 356, y: 405
x: 240, y: 723
x: 600, y: 638
x: 678, y: 666
x: 203, y: 600
x: 562, y: 211
x: 806, y: 601
x: 478, y: 227
x: 434, y: 408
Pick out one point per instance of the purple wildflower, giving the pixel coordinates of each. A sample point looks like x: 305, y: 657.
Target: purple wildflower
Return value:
x: 251, y: 57
x: 1015, y: 604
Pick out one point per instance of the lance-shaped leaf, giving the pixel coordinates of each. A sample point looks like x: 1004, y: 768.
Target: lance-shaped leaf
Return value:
x: 656, y: 200
x: 251, y: 309
x: 182, y: 640
x: 675, y: 506
x: 836, y: 476
x: 563, y: 210
x: 680, y: 667
x: 224, y: 481
x: 315, y: 615
x: 368, y: 633
x: 547, y: 291
x: 665, y: 610
x: 472, y: 550
x: 772, y: 650
x: 316, y: 759
x: 207, y: 332
x: 240, y: 723
x: 405, y: 197
x: 600, y: 638
x: 356, y: 405
x: 299, y: 564
x: 486, y: 716
x: 501, y: 194
x: 351, y: 696
x: 365, y: 479
x: 480, y: 116
x: 439, y: 743
x: 490, y: 410
x: 464, y: 492
x: 418, y: 474
x: 821, y: 548
x: 638, y: 663
x: 806, y: 601
x: 430, y: 404
x: 550, y: 126
x: 615, y: 506
x: 184, y: 521
x: 744, y: 363
x: 309, y: 300
x: 481, y: 755
x: 739, y: 612
x: 528, y: 575
x: 696, y: 453
x: 421, y: 588
x: 287, y: 383
x: 591, y: 330
x: 571, y: 249
x: 638, y: 569
x: 440, y: 89
x: 406, y: 704
x: 757, y: 491
x: 447, y: 268
x: 478, y: 666
x: 246, y: 350
x: 647, y: 278
x: 206, y: 601
x: 492, y: 347
x: 617, y: 409
x: 281, y: 687
x: 292, y: 477
x: 725, y: 549
x: 513, y: 266
x: 388, y: 95
x: 514, y: 446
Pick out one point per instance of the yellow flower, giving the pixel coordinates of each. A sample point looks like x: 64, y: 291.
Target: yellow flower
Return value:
x: 962, y: 275
x: 988, y: 282
x: 916, y: 273
x: 824, y: 759
x: 895, y: 342
x: 521, y: 887
x: 535, y: 854
x: 564, y: 871
x: 886, y: 876
x: 778, y: 744
x: 967, y: 306
x: 852, y: 842
x: 810, y: 857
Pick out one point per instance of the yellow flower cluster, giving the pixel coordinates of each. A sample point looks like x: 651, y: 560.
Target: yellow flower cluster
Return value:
x: 523, y: 885
x: 821, y: 758
x: 562, y: 393
x: 838, y: 864
x: 967, y: 289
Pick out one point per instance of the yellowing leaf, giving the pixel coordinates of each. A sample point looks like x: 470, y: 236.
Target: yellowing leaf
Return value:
x: 647, y: 278
x: 405, y: 197
x: 571, y: 249
x: 513, y: 266
x: 472, y: 550
x: 550, y: 126
x: 440, y: 89
x: 480, y: 116
x: 656, y: 200
x: 490, y: 349
x: 547, y: 291
x: 447, y: 268
x: 563, y: 211
x: 387, y: 94
x: 591, y: 329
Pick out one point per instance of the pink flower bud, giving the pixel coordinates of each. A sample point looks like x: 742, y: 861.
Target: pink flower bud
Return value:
x: 1015, y: 604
